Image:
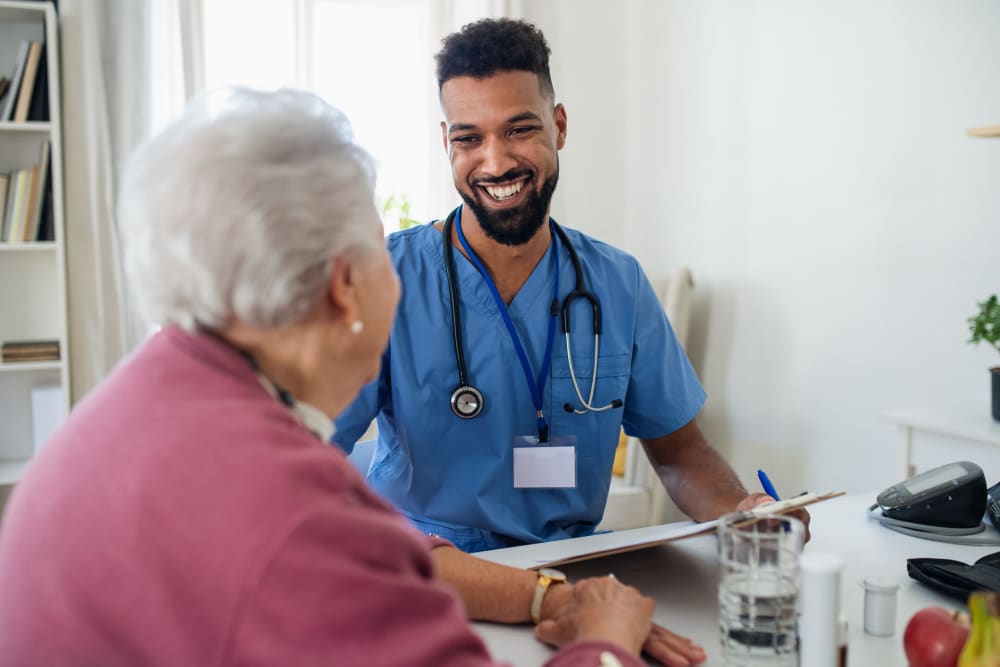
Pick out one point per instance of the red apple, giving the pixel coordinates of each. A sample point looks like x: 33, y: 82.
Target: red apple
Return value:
x: 934, y: 637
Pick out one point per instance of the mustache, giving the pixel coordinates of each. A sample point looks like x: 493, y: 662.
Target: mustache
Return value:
x: 511, y: 175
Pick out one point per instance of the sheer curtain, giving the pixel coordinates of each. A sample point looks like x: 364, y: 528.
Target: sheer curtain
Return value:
x: 121, y: 79
x: 128, y: 68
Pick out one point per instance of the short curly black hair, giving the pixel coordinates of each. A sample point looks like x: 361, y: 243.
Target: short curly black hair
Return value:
x: 488, y: 46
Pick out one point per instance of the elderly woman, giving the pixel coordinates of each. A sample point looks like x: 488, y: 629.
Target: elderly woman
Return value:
x: 190, y: 511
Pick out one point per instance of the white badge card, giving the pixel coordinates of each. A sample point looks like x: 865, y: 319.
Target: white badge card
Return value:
x: 545, y: 466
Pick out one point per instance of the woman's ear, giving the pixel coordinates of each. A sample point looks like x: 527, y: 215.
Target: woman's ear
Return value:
x: 342, y: 291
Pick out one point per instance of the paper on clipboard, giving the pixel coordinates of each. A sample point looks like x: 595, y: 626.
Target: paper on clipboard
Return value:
x: 561, y: 552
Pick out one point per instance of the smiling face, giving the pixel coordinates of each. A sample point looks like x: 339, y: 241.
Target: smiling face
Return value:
x: 503, y: 134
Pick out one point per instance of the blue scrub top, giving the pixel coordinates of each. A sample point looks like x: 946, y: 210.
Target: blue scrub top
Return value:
x: 454, y: 477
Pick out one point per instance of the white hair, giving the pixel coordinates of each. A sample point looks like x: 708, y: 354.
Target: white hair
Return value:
x: 238, y: 208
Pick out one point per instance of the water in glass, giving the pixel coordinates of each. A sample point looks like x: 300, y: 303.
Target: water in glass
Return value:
x: 758, y: 590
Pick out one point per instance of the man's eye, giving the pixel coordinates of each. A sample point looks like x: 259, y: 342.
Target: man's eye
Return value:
x: 521, y: 130
x: 464, y: 139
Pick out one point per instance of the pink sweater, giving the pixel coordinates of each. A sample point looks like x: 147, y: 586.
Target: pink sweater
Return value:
x: 183, y: 517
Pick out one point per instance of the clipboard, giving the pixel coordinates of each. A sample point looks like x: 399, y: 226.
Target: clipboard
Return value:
x: 563, y: 552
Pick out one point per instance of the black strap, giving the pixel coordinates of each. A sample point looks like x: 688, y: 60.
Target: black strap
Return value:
x: 954, y: 578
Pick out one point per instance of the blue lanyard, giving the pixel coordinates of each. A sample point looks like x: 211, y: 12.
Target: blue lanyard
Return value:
x: 537, y: 387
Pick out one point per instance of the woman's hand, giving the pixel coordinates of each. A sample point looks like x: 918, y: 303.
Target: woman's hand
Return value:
x: 600, y: 608
x: 570, y: 619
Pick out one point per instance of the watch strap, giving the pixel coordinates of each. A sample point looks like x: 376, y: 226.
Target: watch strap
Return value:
x: 545, y: 579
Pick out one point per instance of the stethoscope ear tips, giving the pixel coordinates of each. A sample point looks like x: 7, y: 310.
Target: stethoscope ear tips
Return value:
x: 617, y: 403
x: 568, y: 408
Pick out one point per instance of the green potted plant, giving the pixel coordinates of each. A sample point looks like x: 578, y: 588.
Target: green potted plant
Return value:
x: 985, y: 327
x: 397, y: 207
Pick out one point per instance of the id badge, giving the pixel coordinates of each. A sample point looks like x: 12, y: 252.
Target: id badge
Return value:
x: 545, y: 466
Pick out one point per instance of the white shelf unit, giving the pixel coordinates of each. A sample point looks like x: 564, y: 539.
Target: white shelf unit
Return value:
x: 32, y: 274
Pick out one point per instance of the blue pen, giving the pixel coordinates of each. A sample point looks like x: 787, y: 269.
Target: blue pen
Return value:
x: 766, y: 483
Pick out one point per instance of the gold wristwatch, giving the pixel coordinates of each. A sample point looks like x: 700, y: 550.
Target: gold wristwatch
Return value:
x: 546, y: 577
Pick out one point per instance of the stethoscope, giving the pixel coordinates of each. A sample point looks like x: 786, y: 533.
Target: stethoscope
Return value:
x: 467, y: 401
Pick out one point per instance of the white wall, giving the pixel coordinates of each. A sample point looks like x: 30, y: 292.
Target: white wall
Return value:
x: 808, y: 161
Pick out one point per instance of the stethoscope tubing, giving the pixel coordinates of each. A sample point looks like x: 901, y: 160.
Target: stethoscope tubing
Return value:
x: 466, y: 394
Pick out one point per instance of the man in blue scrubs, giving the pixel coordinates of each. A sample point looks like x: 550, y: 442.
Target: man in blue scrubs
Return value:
x: 501, y: 456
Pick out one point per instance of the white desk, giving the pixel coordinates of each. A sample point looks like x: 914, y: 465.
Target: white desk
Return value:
x: 683, y: 576
x: 934, y: 437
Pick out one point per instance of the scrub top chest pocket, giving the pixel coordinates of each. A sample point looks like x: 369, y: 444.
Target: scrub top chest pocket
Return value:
x: 596, y: 432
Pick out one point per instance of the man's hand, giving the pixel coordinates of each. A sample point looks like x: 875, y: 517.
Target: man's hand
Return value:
x: 671, y: 649
x: 753, y: 500
x: 757, y: 499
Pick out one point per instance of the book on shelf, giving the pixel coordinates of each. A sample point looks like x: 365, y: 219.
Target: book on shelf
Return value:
x: 29, y: 350
x: 40, y: 176
x: 29, y: 344
x: 6, y: 212
x: 13, y: 230
x: 29, y: 202
x: 27, y: 86
x: 29, y: 205
x: 47, y: 223
x: 7, y: 111
x: 31, y: 358
x: 20, y: 212
x: 38, y: 110
x: 4, y: 182
x: 4, y: 87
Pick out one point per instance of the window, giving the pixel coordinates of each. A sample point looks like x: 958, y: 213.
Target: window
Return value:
x: 373, y: 59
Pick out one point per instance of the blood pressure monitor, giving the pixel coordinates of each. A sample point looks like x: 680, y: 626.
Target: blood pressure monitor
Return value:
x: 951, y: 496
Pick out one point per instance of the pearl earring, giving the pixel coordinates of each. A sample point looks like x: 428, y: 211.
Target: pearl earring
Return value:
x: 357, y: 326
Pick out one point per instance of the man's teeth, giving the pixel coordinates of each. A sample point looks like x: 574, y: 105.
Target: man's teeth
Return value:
x: 504, y: 191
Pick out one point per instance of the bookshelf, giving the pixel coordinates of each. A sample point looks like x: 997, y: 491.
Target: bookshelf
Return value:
x: 32, y: 272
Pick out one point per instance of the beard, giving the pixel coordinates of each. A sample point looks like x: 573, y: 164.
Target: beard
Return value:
x: 515, y: 226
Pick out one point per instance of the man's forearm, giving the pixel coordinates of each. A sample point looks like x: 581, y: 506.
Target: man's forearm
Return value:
x: 699, y: 480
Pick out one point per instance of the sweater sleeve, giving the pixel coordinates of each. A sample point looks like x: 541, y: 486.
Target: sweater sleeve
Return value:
x: 351, y: 585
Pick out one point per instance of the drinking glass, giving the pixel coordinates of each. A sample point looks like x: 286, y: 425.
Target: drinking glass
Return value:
x: 758, y: 589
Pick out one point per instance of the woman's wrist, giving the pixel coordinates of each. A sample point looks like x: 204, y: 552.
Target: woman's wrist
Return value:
x: 556, y: 597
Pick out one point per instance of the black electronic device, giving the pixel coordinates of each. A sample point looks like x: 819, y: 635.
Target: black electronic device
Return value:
x: 950, y: 496
x: 993, y: 504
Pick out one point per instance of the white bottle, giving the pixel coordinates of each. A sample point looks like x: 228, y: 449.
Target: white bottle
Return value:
x: 880, y: 606
x: 819, y: 609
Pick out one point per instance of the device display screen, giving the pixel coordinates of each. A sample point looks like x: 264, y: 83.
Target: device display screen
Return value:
x: 933, y: 478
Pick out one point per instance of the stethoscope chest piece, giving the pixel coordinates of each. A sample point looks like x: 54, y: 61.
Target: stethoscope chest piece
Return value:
x: 466, y: 402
